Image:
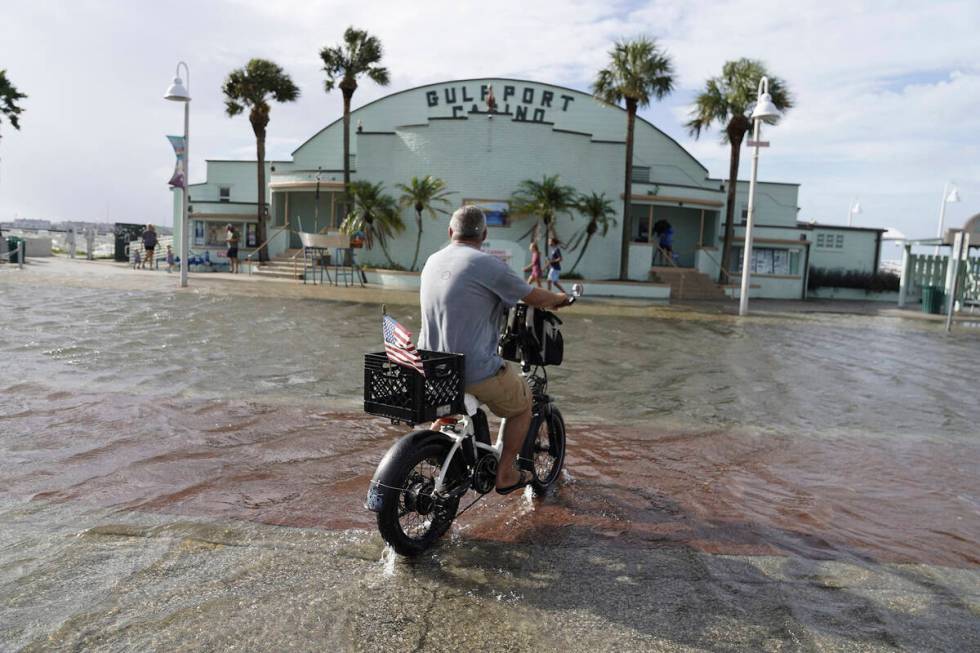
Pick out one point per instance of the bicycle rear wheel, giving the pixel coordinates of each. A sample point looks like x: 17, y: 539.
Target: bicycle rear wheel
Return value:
x: 547, y: 450
x: 411, y: 518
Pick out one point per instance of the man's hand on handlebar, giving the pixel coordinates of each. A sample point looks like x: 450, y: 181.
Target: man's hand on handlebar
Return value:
x: 541, y: 298
x: 566, y: 300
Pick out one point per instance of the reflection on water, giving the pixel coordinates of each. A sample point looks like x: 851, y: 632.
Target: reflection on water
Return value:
x: 810, y: 479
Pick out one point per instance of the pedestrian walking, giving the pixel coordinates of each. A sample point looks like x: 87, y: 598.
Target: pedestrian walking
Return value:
x: 70, y: 242
x: 554, y: 259
x: 149, y: 244
x: 231, y: 239
x: 535, y: 267
x: 90, y: 243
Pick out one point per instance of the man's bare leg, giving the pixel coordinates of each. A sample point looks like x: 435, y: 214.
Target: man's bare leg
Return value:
x: 514, y: 431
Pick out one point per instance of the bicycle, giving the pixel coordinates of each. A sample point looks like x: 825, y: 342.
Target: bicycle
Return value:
x: 417, y: 488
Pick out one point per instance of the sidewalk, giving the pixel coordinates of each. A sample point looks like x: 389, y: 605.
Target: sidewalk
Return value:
x: 110, y: 274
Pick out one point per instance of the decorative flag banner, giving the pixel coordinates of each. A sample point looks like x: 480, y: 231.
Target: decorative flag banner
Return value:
x: 398, y: 345
x: 491, y: 100
x: 180, y: 149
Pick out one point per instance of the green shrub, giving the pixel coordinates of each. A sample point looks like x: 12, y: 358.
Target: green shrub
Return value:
x: 866, y: 281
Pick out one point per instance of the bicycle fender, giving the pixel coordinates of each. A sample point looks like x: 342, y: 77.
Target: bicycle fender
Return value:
x: 383, y: 475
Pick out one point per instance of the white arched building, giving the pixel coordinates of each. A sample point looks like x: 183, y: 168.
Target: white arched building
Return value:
x: 447, y: 130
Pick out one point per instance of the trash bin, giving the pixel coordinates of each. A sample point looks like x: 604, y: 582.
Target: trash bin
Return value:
x: 932, y: 299
x: 12, y: 243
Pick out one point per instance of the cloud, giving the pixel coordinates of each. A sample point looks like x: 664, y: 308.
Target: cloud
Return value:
x: 886, y: 92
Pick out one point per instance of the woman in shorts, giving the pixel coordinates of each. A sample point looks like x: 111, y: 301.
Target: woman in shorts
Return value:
x: 149, y: 244
x: 231, y: 239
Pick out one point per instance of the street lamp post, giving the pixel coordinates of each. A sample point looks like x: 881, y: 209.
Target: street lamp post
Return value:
x: 853, y: 211
x: 764, y: 110
x: 950, y: 195
x: 177, y: 92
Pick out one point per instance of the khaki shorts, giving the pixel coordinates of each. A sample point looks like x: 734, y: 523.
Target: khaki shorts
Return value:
x: 506, y: 393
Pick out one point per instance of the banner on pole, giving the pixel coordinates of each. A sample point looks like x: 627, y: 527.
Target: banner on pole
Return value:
x: 178, y: 179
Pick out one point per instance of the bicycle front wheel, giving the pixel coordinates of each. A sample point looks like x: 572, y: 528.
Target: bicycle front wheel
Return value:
x: 547, y: 449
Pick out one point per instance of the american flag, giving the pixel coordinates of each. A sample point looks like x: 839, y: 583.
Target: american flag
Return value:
x: 398, y: 345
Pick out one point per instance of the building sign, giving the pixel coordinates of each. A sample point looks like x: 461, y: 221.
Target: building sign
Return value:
x: 496, y: 211
x: 523, y: 102
x: 507, y: 251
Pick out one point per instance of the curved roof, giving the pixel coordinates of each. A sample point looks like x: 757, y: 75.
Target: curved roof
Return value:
x: 504, y: 79
x: 972, y: 226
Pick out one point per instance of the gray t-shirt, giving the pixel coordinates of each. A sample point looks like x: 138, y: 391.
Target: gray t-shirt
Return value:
x: 465, y: 294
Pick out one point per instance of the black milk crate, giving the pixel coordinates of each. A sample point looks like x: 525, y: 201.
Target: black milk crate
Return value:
x: 402, y: 394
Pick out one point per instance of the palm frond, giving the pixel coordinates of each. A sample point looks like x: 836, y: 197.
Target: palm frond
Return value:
x: 359, y: 54
x: 255, y: 84
x: 9, y: 96
x: 732, y: 95
x: 638, y: 70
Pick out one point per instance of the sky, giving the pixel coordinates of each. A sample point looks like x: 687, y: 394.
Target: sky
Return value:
x: 887, y: 92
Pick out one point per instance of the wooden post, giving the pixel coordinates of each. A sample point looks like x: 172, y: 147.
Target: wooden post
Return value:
x: 961, y: 243
x: 653, y: 250
x: 701, y: 231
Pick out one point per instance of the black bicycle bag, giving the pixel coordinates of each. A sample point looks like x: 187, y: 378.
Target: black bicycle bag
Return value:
x: 534, y: 335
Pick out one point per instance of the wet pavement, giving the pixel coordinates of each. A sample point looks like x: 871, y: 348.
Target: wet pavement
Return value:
x: 184, y: 470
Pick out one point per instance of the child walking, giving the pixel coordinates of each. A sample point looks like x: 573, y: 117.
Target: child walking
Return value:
x: 170, y: 259
x: 535, y: 266
x: 554, y: 258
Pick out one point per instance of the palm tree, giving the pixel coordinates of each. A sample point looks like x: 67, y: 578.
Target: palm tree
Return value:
x: 422, y: 194
x: 9, y: 95
x: 373, y: 213
x: 728, y: 100
x: 600, y: 213
x: 358, y: 55
x: 252, y: 87
x: 638, y: 71
x: 543, y: 200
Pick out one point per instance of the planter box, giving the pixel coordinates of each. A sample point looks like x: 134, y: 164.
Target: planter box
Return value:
x: 394, y: 279
x: 631, y: 289
x: 853, y: 294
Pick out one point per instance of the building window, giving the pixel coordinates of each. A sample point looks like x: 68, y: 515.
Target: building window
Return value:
x: 769, y: 261
x: 830, y: 241
x: 224, y: 193
x: 641, y: 174
x: 641, y: 224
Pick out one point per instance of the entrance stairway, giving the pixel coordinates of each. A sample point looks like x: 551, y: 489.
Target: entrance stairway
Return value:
x: 283, y: 266
x: 687, y: 283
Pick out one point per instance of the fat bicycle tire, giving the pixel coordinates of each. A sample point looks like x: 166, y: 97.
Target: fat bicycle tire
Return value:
x: 417, y: 468
x: 547, y: 449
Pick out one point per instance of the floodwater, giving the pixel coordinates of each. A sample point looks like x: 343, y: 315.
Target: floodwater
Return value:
x: 186, y: 471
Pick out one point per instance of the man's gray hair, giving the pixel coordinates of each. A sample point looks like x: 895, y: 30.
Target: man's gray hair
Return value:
x: 468, y: 222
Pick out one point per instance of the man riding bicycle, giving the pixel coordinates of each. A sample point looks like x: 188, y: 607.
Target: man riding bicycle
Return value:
x: 465, y: 294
